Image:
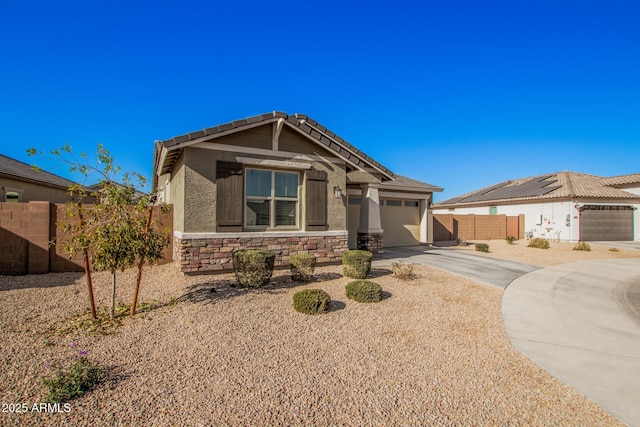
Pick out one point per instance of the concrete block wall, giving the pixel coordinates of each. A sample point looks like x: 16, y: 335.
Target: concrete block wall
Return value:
x: 27, y: 231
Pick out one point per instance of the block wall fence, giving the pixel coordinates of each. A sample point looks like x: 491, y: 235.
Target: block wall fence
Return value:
x: 29, y: 231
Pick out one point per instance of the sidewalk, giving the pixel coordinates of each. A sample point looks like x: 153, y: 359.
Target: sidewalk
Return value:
x: 581, y: 322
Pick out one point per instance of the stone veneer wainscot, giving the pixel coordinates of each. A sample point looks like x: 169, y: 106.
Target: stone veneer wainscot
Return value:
x: 211, y: 252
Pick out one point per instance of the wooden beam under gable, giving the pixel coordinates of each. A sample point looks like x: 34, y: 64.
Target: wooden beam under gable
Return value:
x: 277, y: 128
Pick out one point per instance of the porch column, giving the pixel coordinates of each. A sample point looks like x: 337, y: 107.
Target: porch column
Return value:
x: 370, y: 230
x: 426, y: 221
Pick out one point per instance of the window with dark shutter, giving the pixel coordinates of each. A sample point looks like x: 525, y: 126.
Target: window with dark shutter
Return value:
x: 229, y: 196
x: 316, y: 200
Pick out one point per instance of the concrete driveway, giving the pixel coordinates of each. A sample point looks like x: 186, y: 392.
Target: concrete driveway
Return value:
x: 482, y: 269
x: 581, y: 322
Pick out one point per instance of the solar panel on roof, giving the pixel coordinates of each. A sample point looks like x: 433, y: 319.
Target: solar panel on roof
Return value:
x: 530, y: 188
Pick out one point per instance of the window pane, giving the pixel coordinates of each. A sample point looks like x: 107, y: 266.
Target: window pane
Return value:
x: 258, y: 183
x: 286, y: 184
x: 286, y: 212
x: 12, y: 197
x: 394, y: 202
x: 258, y: 212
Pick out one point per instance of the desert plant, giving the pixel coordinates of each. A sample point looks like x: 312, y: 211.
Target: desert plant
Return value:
x: 402, y: 271
x: 364, y: 291
x: 614, y: 250
x: 538, y: 243
x: 302, y: 266
x: 582, y: 246
x: 253, y: 267
x: 357, y: 264
x: 482, y: 247
x: 311, y: 301
x: 461, y: 241
x: 117, y: 231
x: 74, y: 381
x: 510, y: 239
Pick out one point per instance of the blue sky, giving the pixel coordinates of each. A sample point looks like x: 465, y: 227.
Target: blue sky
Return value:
x: 460, y: 94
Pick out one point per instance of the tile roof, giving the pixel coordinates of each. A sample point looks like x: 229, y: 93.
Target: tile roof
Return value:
x: 559, y: 185
x: 613, y: 181
x: 402, y: 182
x: 302, y: 122
x: 21, y: 171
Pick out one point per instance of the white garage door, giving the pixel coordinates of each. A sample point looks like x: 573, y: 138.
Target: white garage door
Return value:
x: 400, y: 222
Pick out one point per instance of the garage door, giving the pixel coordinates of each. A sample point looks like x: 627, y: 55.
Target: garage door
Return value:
x: 400, y: 221
x: 606, y: 223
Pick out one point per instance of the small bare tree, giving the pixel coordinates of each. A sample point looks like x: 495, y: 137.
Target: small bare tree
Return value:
x: 119, y: 230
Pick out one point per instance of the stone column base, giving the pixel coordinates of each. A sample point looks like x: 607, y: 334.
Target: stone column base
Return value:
x: 371, y: 242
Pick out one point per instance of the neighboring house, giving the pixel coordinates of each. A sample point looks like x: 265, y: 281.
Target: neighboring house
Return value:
x: 20, y: 183
x: 285, y: 183
x: 564, y: 205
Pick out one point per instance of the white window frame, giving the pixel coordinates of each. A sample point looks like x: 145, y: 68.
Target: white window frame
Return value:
x: 272, y: 199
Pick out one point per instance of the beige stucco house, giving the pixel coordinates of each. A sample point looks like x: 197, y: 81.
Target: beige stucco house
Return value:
x: 20, y: 183
x: 286, y: 183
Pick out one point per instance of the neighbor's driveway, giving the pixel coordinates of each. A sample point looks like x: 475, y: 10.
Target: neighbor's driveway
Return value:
x: 482, y: 269
x: 581, y: 322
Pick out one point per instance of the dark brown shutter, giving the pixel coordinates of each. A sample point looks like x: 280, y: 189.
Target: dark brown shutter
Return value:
x: 229, y: 196
x: 316, y: 202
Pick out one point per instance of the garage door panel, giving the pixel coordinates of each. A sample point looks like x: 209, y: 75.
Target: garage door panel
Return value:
x: 599, y: 223
x: 401, y: 224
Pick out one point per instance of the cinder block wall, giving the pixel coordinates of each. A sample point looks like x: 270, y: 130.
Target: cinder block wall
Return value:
x: 27, y: 231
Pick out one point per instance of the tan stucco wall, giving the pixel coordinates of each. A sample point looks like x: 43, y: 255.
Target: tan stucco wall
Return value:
x: 199, y: 190
x: 176, y: 193
x: 258, y: 137
x: 31, y: 192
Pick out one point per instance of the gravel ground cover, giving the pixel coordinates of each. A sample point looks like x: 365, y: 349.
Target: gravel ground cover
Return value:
x: 558, y: 253
x: 433, y: 352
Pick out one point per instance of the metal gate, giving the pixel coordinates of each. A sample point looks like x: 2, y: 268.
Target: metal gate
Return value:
x: 599, y: 223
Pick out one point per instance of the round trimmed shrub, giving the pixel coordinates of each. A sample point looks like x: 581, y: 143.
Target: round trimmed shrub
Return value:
x: 253, y: 267
x: 357, y: 264
x: 364, y: 291
x: 311, y: 301
x: 302, y: 266
x: 510, y: 239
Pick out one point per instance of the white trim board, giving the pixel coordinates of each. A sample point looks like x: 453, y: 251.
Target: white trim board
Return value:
x: 259, y: 234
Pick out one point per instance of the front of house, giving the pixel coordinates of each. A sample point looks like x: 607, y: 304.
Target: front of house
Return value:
x: 284, y: 183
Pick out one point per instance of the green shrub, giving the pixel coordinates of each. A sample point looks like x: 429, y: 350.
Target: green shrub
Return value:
x: 357, y: 264
x: 482, y: 247
x: 402, y: 271
x: 311, y: 301
x: 582, y: 246
x: 74, y: 381
x: 253, y: 267
x: 510, y: 239
x: 364, y: 291
x: 614, y: 250
x: 538, y: 243
x: 461, y: 241
x: 302, y: 266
